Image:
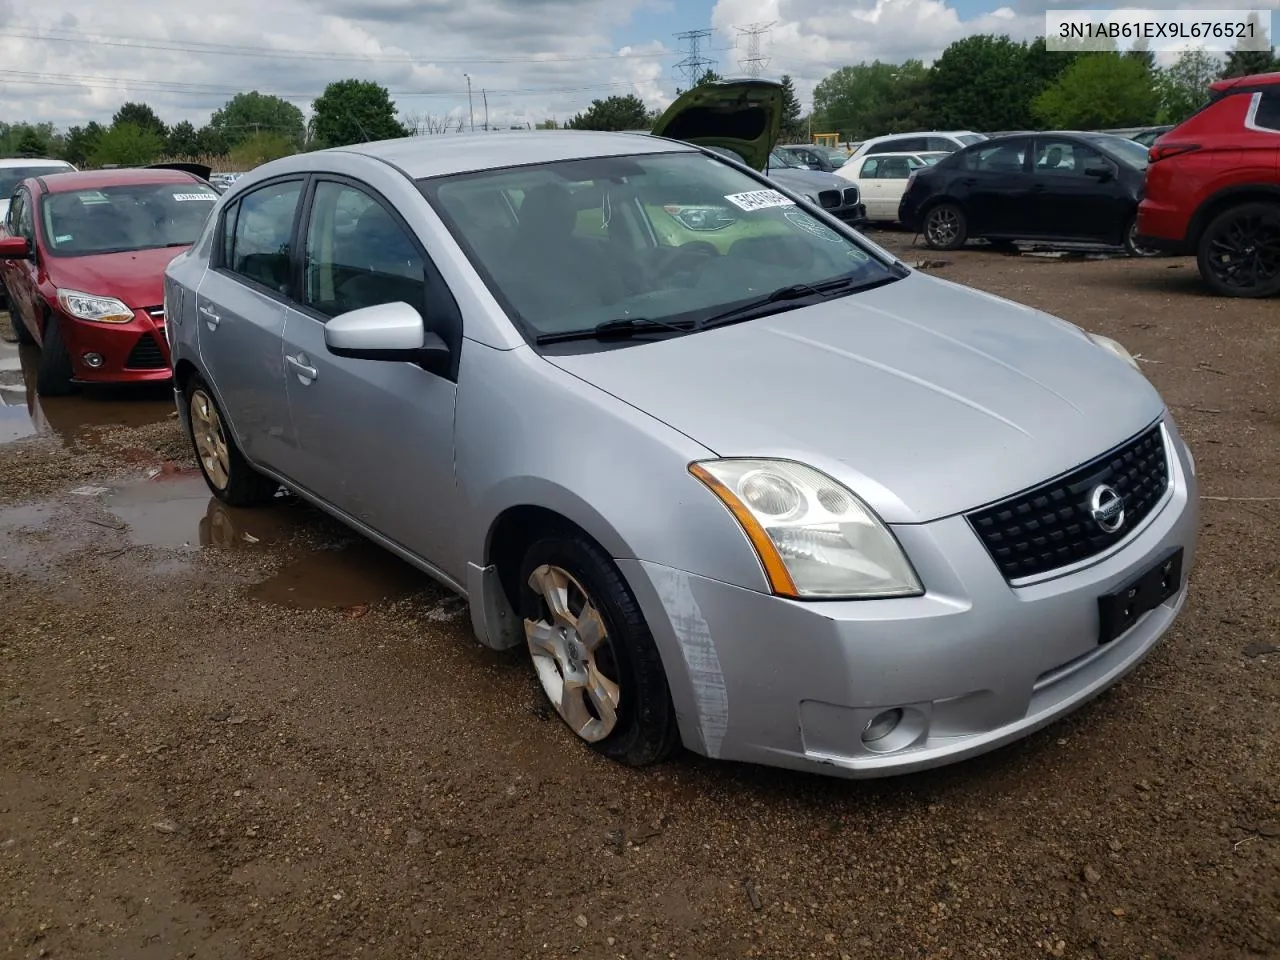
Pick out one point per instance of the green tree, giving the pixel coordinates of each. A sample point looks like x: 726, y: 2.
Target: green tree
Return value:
x: 793, y: 125
x: 1184, y: 86
x: 260, y: 148
x: 983, y: 82
x: 142, y: 116
x: 182, y: 140
x: 127, y: 145
x: 1045, y: 66
x: 1099, y: 90
x: 31, y: 144
x: 354, y: 111
x: 1246, y: 63
x: 250, y: 113
x: 859, y: 101
x: 1141, y: 51
x: 210, y: 143
x: 548, y: 125
x: 613, y: 113
x: 80, y: 142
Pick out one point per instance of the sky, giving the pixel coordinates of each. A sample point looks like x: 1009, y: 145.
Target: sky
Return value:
x: 72, y: 61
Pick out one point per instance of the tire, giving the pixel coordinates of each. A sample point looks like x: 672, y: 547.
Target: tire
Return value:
x: 1249, y: 233
x: 54, y: 372
x: 223, y: 466
x: 945, y: 227
x: 643, y: 730
x: 1131, y: 246
x: 21, y: 335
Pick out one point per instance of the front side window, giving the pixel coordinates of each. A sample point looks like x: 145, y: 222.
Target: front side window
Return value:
x: 664, y: 238
x: 13, y: 218
x: 357, y: 254
x: 1064, y: 158
x: 257, y: 231
x: 135, y: 216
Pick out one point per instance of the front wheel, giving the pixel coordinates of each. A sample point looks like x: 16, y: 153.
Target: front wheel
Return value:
x: 592, y: 650
x: 945, y: 227
x: 224, y: 467
x: 54, y: 373
x: 1239, y: 252
x: 1131, y: 245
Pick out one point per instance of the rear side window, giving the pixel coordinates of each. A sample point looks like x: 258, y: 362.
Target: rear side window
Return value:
x: 1000, y: 158
x: 256, y: 234
x: 1267, y: 112
x: 941, y: 143
x: 903, y: 145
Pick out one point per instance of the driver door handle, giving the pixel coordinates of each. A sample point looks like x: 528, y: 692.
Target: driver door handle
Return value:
x: 298, y: 363
x: 211, y: 318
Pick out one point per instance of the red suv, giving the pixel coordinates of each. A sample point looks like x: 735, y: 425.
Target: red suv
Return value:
x: 1213, y: 188
x: 82, y: 256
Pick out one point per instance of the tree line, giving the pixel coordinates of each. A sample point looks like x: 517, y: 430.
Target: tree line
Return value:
x: 984, y: 82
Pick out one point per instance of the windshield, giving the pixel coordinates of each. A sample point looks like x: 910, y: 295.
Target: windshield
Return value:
x: 1130, y: 151
x: 969, y: 139
x: 10, y: 177
x: 135, y: 216
x: 667, y: 237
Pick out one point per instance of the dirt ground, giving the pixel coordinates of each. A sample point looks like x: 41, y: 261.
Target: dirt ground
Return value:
x: 249, y: 735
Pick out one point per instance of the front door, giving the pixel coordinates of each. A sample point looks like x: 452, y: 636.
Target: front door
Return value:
x: 1068, y: 200
x: 240, y: 312
x: 21, y: 277
x: 377, y: 436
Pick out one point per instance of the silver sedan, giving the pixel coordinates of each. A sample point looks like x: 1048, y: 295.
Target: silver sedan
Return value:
x: 731, y: 475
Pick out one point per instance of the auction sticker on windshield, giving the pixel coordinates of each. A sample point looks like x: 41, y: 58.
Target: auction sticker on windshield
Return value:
x: 759, y: 200
x: 180, y: 197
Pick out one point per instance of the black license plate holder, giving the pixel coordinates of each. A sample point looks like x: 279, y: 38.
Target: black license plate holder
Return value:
x: 1123, y: 607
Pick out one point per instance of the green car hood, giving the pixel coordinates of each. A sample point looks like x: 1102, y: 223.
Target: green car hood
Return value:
x: 744, y: 116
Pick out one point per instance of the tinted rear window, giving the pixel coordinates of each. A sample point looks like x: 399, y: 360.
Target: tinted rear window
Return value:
x: 10, y: 177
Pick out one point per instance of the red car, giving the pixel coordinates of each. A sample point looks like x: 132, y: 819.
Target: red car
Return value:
x: 82, y: 256
x: 1213, y: 188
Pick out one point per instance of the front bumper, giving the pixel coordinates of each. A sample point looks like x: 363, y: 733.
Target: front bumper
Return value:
x: 974, y: 664
x: 133, y: 352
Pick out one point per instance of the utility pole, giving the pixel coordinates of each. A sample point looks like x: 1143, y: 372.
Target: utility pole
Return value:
x: 485, y: 94
x: 754, y: 62
x: 694, y: 65
x: 470, y: 107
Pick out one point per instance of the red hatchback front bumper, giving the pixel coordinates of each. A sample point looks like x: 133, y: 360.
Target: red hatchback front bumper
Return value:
x: 133, y: 352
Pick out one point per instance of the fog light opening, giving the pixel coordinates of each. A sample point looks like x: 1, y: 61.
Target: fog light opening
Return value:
x: 92, y: 360
x: 881, y: 725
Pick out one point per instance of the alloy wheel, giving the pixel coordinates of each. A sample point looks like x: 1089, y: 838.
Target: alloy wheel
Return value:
x: 1136, y: 248
x: 572, y: 654
x: 1244, y: 253
x: 210, y: 440
x: 942, y: 227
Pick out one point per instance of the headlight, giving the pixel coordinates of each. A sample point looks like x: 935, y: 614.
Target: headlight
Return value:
x: 701, y: 218
x: 814, y: 538
x: 1106, y: 343
x: 85, y: 306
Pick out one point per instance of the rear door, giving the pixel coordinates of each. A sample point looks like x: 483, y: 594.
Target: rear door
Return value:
x: 240, y: 314
x: 994, y: 185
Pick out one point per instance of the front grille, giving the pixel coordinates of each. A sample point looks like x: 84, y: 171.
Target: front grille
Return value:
x: 829, y: 199
x: 1052, y: 525
x: 850, y: 195
x: 146, y: 355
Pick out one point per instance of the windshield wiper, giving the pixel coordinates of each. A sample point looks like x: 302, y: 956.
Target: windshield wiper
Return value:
x: 621, y: 329
x: 783, y: 299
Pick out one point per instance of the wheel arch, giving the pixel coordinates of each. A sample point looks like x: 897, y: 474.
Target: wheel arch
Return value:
x: 1224, y: 199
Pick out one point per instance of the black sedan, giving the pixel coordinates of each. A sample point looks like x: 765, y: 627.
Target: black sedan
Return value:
x: 1059, y: 187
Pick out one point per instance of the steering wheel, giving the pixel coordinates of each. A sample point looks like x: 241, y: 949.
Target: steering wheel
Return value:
x: 686, y: 258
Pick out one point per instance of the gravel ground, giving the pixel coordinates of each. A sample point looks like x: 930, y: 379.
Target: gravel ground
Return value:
x: 249, y: 736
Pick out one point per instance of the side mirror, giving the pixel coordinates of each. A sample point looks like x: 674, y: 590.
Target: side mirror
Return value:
x: 385, y: 331
x: 14, y: 248
x: 1100, y: 172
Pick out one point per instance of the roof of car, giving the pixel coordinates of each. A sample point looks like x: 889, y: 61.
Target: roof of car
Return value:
x: 443, y: 154
x: 97, y: 179
x: 9, y: 162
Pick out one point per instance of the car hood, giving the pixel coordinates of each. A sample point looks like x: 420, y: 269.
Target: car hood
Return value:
x: 927, y: 397
x: 744, y: 116
x: 134, y: 276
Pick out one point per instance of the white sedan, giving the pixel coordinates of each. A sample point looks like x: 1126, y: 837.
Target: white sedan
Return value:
x: 882, y: 178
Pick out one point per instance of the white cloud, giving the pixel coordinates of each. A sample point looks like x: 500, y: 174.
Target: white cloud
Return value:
x: 519, y: 54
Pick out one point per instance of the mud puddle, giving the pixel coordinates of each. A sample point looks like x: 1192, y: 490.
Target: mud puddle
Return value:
x: 75, y: 418
x: 326, y: 565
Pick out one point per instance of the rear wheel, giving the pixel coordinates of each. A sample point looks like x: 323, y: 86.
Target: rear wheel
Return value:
x: 54, y: 371
x: 945, y: 227
x: 1239, y: 251
x: 592, y: 650
x: 225, y: 469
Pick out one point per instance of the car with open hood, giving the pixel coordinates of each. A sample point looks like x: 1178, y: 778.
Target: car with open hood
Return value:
x: 742, y: 120
x: 781, y: 499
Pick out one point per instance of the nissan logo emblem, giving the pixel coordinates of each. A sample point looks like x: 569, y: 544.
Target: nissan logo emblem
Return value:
x: 1107, y: 508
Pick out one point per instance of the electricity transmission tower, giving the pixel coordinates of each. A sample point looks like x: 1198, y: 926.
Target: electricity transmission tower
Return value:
x: 754, y: 62
x: 694, y: 65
